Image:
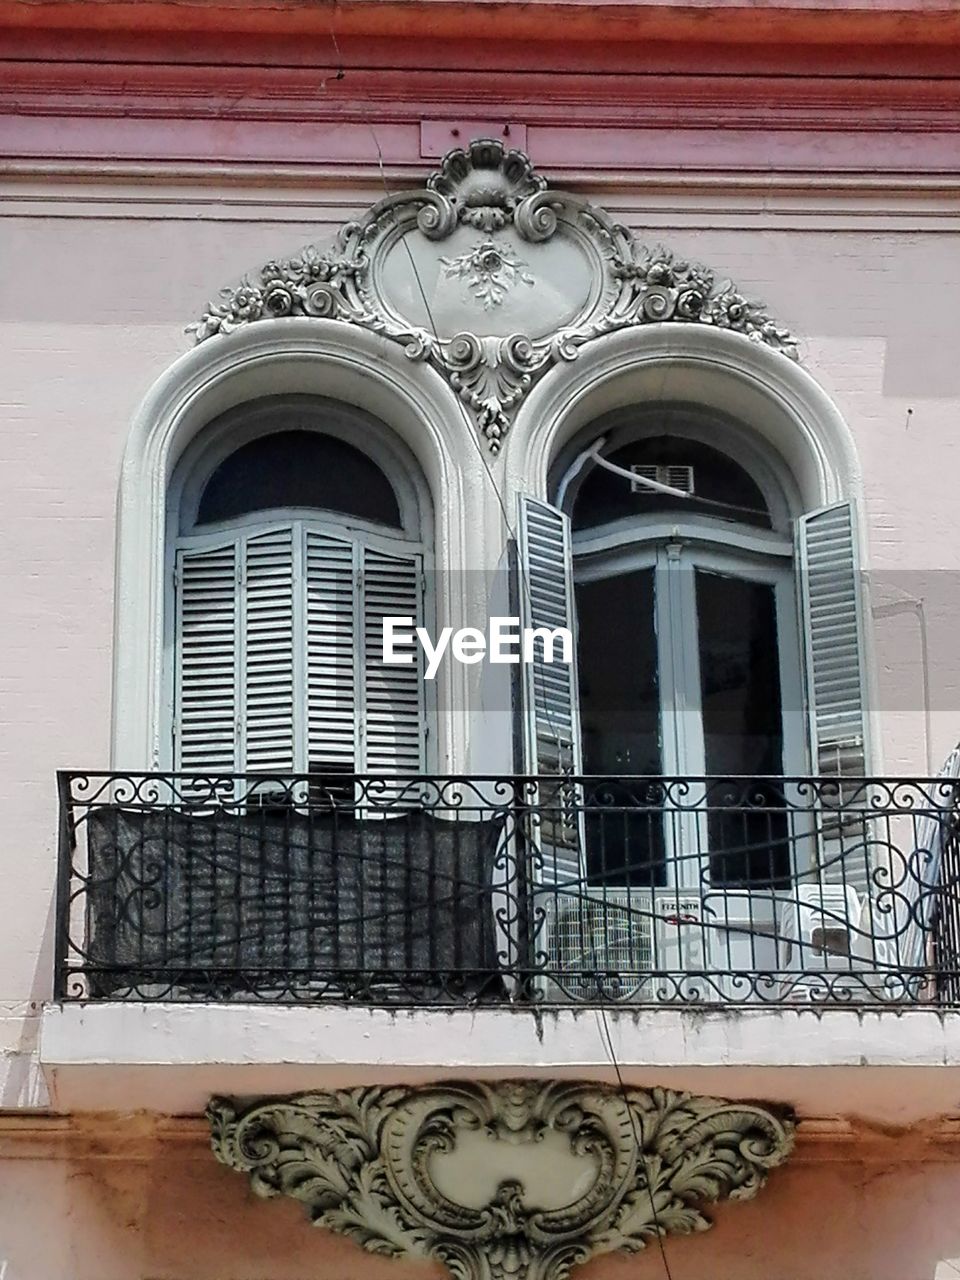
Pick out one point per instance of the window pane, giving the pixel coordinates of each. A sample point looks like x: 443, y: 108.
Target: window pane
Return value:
x: 742, y: 727
x: 620, y: 714
x: 721, y: 487
x: 299, y: 469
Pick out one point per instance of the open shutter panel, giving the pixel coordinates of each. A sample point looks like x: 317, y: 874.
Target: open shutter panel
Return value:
x: 268, y: 666
x: 833, y: 638
x: 551, y: 712
x: 393, y: 718
x: 207, y: 655
x: 332, y: 654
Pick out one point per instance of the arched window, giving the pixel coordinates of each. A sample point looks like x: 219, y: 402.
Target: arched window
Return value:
x: 718, y: 636
x: 296, y: 524
x: 688, y: 654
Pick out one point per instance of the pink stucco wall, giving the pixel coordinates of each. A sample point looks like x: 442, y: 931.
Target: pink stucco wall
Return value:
x: 142, y: 175
x: 96, y: 1207
x: 93, y: 310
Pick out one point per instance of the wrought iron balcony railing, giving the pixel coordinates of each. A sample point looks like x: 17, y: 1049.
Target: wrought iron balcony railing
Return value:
x: 440, y: 890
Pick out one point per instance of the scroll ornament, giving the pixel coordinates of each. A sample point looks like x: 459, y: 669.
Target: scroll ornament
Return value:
x: 513, y: 1180
x: 492, y: 278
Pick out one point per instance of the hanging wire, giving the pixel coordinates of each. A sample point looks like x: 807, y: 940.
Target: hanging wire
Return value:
x: 471, y: 435
x: 606, y: 1037
x: 508, y: 524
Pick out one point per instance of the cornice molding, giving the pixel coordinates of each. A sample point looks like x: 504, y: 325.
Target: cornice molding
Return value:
x: 492, y: 278
x: 642, y: 99
x: 142, y: 1137
x: 819, y: 24
x: 507, y: 1180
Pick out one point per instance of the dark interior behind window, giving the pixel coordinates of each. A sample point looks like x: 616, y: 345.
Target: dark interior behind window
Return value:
x: 299, y: 469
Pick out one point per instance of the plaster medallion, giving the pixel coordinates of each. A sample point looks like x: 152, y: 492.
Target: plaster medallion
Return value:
x: 513, y: 1180
x: 490, y: 270
x: 492, y: 278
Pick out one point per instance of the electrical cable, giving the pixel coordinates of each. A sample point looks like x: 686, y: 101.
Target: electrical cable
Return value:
x: 509, y: 528
x: 471, y: 435
x: 601, y: 1015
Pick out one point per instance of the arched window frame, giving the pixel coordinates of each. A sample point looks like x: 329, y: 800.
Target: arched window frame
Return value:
x: 318, y: 414
x: 774, y: 400
x: 301, y: 357
x: 685, y: 421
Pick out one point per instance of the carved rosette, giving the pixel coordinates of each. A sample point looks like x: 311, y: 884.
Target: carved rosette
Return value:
x: 515, y: 1179
x: 492, y: 278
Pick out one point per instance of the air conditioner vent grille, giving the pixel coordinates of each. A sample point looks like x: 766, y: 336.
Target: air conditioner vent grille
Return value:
x: 603, y: 946
x: 676, y: 475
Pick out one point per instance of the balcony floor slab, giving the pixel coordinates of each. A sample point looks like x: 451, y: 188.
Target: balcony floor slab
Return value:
x: 884, y: 1068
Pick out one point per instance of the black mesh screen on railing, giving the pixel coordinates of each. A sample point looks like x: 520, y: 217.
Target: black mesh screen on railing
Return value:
x: 223, y: 902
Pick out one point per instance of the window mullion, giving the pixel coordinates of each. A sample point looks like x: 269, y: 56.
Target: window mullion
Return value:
x: 298, y: 642
x: 681, y: 714
x: 240, y: 681
x: 359, y: 657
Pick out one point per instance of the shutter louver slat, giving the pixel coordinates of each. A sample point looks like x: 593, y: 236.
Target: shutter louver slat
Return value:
x: 269, y: 652
x: 550, y: 699
x: 207, y: 650
x: 830, y: 608
x: 280, y: 657
x: 332, y: 710
x: 393, y: 695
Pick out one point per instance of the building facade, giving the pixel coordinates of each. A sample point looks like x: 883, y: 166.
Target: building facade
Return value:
x: 353, y: 357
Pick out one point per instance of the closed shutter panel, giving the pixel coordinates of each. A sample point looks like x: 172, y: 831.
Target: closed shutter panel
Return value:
x: 280, y: 658
x: 332, y: 655
x: 550, y: 699
x: 207, y: 669
x: 393, y: 717
x: 833, y: 638
x: 268, y: 655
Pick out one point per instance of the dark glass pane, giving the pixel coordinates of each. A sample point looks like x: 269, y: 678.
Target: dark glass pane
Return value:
x: 742, y: 728
x: 299, y: 469
x: 620, y: 713
x: 721, y: 487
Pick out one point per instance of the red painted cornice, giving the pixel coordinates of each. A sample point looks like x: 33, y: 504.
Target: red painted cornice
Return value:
x: 81, y: 88
x: 836, y: 86
x: 808, y: 22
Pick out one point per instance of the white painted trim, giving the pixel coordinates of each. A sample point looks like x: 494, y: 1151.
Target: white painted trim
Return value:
x: 707, y: 532
x: 696, y: 364
x: 301, y: 356
x: 167, y: 1058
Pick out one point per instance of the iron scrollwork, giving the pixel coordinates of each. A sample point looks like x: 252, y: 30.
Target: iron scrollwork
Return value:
x: 435, y: 890
x: 366, y: 1163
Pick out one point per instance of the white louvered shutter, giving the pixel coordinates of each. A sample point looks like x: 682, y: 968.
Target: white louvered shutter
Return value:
x: 829, y: 585
x: 332, y: 643
x: 280, y: 657
x: 207, y: 710
x: 392, y: 713
x: 269, y: 675
x: 551, y: 711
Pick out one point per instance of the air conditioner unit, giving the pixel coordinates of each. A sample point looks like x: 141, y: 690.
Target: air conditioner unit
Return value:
x: 819, y: 931
x: 680, y: 942
x: 600, y: 946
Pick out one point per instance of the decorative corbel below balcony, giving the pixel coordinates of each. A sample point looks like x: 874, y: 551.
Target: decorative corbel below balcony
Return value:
x: 520, y: 1179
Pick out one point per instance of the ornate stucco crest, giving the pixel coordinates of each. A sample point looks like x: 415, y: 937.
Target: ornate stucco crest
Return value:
x: 492, y: 278
x: 517, y: 1180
